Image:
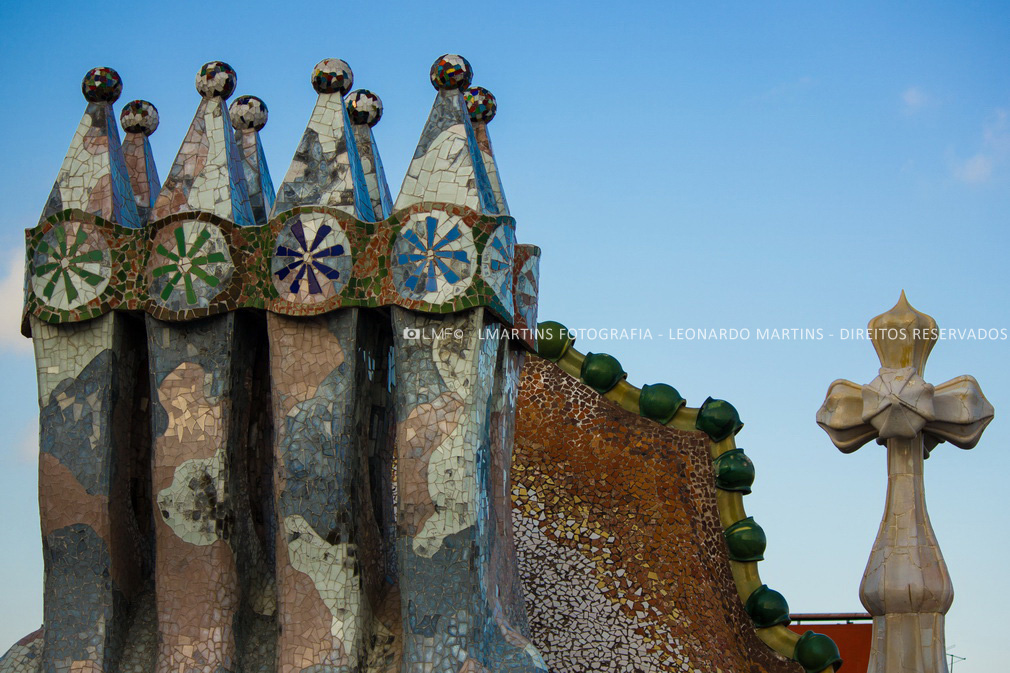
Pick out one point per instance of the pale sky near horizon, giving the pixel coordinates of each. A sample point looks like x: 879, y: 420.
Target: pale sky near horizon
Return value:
x: 682, y: 165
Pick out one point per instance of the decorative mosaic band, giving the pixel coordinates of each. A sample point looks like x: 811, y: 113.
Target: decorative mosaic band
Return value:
x: 431, y: 257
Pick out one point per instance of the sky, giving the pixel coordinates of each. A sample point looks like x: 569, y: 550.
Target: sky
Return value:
x: 748, y: 165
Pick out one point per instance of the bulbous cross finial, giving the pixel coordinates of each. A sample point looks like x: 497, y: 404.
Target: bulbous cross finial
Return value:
x: 906, y: 586
x: 899, y: 403
x: 903, y: 337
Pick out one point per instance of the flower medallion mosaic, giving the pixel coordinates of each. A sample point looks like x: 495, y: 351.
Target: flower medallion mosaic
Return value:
x: 312, y: 258
x: 322, y: 432
x: 190, y: 265
x: 72, y: 265
x: 433, y: 258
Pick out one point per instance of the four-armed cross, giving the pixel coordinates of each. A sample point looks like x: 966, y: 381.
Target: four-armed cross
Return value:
x: 906, y: 586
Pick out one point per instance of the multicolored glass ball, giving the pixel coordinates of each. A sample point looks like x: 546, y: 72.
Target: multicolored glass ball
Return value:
x: 480, y: 103
x: 331, y: 75
x: 216, y: 79
x: 248, y: 113
x: 451, y: 71
x: 139, y: 116
x: 102, y: 85
x: 364, y: 107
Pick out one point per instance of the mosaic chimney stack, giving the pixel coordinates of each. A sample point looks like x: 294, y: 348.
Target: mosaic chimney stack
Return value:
x: 906, y: 586
x: 329, y: 373
x: 88, y: 372
x: 201, y: 380
x: 455, y: 385
x: 140, y: 119
x: 255, y: 526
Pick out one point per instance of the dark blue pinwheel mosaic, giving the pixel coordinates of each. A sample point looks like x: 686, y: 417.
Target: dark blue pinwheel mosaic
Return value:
x: 311, y: 261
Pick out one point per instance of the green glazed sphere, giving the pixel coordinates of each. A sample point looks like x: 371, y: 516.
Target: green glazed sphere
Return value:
x: 660, y: 402
x: 767, y: 607
x: 601, y: 372
x: 734, y: 471
x: 553, y: 340
x: 815, y: 652
x: 746, y: 541
x: 718, y: 419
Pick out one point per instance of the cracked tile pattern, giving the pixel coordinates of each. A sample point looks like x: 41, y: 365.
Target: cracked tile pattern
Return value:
x: 326, y: 169
x: 526, y: 293
x: 332, y: 457
x: 449, y: 378
x: 249, y: 116
x: 94, y: 541
x: 213, y: 581
x: 620, y: 548
x: 208, y: 173
x: 447, y: 165
x: 196, y: 579
x: 140, y: 119
x: 364, y: 110
x: 483, y: 141
x: 94, y: 177
x: 24, y: 656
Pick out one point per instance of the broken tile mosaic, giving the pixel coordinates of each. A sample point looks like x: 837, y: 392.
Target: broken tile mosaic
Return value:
x: 312, y: 433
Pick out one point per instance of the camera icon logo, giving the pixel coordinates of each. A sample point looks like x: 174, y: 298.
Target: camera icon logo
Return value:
x: 411, y: 333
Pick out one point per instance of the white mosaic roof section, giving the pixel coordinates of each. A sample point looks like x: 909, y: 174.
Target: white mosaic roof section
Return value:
x: 211, y: 189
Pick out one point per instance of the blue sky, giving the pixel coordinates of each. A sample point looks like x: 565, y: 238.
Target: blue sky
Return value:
x: 723, y: 164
